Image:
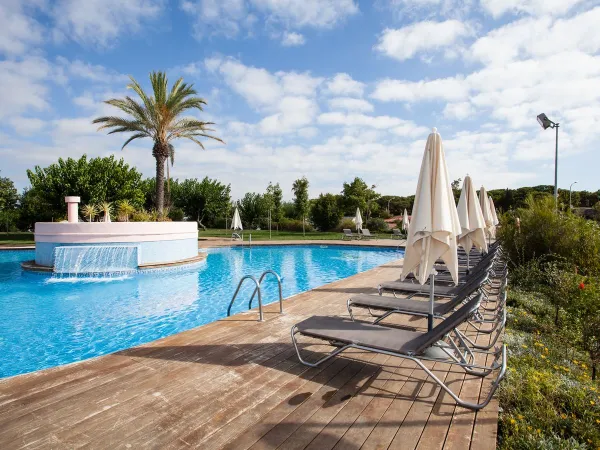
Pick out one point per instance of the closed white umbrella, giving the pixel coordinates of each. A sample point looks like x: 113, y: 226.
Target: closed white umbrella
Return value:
x: 472, y: 223
x: 486, y: 211
x: 493, y: 210
x: 236, y: 222
x: 435, y: 225
x: 358, y: 220
x: 405, y: 221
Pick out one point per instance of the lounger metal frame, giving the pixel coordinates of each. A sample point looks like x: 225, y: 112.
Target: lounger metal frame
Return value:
x: 461, y: 361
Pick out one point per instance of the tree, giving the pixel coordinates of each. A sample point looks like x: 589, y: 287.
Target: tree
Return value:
x: 9, y: 199
x: 89, y: 212
x: 96, y: 180
x: 252, y: 208
x: 159, y: 117
x: 301, y: 204
x: 204, y: 201
x: 358, y: 194
x: 274, y: 197
x: 124, y: 209
x: 325, y: 212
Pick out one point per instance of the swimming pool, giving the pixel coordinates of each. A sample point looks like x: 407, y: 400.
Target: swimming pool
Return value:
x: 45, y: 321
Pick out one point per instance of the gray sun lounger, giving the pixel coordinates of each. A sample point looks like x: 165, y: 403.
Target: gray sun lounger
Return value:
x: 366, y: 234
x: 348, y: 234
x: 439, y: 290
x: 411, y: 345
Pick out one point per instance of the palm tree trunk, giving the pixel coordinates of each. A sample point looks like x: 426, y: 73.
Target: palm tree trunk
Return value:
x: 160, y: 183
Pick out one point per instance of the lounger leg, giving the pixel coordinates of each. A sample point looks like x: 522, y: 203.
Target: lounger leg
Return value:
x: 294, y: 330
x: 473, y: 406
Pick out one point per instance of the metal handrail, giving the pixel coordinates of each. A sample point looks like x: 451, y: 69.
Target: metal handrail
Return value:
x: 260, y: 310
x: 260, y: 280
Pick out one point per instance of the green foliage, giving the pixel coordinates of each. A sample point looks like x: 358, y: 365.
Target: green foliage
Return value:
x: 204, y: 201
x: 548, y: 399
x: 8, y: 204
x: 176, y: 214
x: 89, y: 212
x: 543, y: 232
x: 273, y: 200
x: 377, y: 225
x: 159, y: 117
x: 107, y: 210
x: 301, y: 204
x: 346, y: 224
x: 141, y: 216
x: 124, y: 210
x: 325, y: 212
x: 357, y: 194
x: 295, y: 225
x: 397, y: 204
x: 288, y: 209
x: 252, y: 209
x: 96, y: 180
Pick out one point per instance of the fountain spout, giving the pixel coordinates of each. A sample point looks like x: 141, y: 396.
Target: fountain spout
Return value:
x: 72, y: 208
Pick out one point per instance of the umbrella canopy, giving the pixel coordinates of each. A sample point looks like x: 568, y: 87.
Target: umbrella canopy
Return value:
x: 484, y: 203
x: 493, y: 210
x: 358, y: 220
x: 435, y: 225
x: 472, y: 223
x: 236, y: 222
x: 405, y: 221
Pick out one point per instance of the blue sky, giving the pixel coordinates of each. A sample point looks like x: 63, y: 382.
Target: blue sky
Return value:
x: 329, y: 89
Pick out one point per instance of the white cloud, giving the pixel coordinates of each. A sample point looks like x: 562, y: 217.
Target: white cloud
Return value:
x: 232, y: 17
x: 101, y: 22
x: 288, y: 98
x: 459, y: 111
x: 539, y: 37
x: 92, y: 72
x: 291, y: 39
x: 350, y: 104
x: 343, y: 84
x: 18, y: 30
x: 421, y: 37
x: 448, y: 89
x: 307, y: 13
x: 22, y: 86
x: 27, y: 125
x: 498, y: 8
x: 395, y: 125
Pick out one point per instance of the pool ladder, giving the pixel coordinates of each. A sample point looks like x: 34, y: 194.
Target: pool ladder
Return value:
x: 257, y: 290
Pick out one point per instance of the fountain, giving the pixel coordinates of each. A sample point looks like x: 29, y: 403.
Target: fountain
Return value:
x: 74, y: 247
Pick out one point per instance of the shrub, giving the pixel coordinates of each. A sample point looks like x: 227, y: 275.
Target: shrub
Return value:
x: 346, y: 223
x: 543, y: 232
x: 141, y: 216
x: 325, y: 213
x: 377, y: 225
x: 294, y: 225
x: 176, y: 214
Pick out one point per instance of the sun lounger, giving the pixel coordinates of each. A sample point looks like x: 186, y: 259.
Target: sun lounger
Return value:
x: 439, y: 290
x: 411, y: 345
x: 397, y: 234
x: 366, y: 234
x: 348, y: 234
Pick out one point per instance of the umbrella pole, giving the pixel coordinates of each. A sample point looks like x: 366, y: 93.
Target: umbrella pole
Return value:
x: 468, y: 255
x: 431, y: 300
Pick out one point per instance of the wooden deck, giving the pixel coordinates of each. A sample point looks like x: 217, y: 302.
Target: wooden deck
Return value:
x: 237, y: 384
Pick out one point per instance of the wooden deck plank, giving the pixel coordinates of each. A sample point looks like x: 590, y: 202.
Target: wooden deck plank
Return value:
x: 237, y: 384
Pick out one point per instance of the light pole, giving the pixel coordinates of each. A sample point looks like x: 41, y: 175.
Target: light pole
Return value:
x: 547, y: 123
x: 388, y: 208
x: 570, y: 191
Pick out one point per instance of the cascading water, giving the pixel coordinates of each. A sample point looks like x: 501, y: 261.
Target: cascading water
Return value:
x: 95, y: 260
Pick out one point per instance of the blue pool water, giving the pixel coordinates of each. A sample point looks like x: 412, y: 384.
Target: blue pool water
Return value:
x: 45, y: 321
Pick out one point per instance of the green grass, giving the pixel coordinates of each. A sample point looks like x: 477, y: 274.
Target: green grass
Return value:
x: 548, y: 400
x: 16, y: 239
x: 278, y: 235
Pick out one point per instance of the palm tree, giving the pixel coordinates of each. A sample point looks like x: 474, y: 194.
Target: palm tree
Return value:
x: 159, y: 117
x: 125, y: 209
x: 90, y: 211
x: 107, y: 209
